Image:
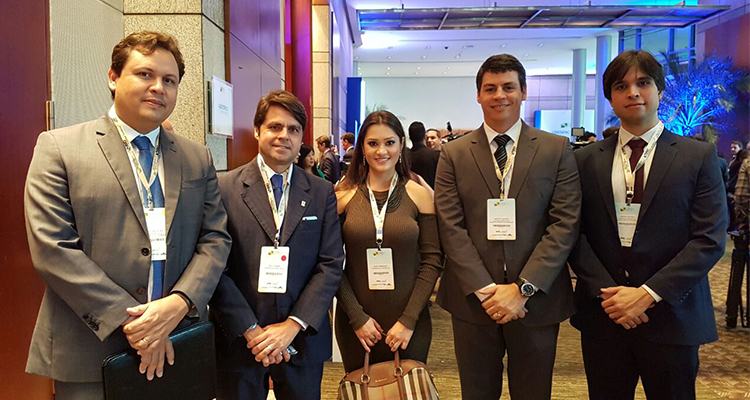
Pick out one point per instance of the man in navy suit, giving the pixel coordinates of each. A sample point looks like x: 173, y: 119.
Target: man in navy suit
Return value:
x: 653, y: 224
x: 271, y: 304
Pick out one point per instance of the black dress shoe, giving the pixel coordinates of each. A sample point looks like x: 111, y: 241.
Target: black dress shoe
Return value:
x: 731, y: 322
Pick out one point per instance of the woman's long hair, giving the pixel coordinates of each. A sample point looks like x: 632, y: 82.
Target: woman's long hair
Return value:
x: 304, y: 150
x: 356, y: 175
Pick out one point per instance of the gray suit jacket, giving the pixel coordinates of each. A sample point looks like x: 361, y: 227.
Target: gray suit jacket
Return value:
x: 88, y: 240
x: 547, y: 190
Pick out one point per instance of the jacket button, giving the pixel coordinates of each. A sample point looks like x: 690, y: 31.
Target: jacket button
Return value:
x: 141, y: 291
x: 145, y: 251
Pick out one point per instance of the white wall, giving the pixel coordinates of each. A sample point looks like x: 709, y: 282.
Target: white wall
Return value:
x: 434, y: 101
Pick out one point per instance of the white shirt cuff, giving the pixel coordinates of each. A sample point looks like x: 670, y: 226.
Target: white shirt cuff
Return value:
x: 481, y: 296
x: 653, y: 294
x: 301, y: 322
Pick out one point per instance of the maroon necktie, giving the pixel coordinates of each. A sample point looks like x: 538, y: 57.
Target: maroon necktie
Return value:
x: 637, y: 145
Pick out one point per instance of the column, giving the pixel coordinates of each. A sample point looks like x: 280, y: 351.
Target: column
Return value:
x: 602, y: 108
x: 579, y: 88
x: 321, y: 70
x: 198, y: 26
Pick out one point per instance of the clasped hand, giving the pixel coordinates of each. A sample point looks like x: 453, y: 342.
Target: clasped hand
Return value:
x: 627, y: 306
x: 397, y: 337
x: 269, y: 344
x: 505, y: 303
x: 148, y: 328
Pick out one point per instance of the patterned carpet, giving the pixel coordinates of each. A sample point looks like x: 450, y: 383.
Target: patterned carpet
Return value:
x: 724, y: 373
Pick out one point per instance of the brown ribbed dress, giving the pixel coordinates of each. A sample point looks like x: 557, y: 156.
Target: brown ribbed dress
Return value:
x: 417, y: 259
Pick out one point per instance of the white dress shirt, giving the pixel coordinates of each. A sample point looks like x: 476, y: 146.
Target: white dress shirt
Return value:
x: 269, y: 173
x: 513, y: 132
x: 618, y: 175
x: 131, y: 134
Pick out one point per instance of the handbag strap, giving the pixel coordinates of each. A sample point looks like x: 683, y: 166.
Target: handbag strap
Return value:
x: 399, y: 373
x: 365, y: 378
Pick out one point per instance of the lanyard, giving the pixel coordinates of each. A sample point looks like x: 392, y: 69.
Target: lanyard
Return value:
x: 278, y: 213
x: 379, y: 216
x: 508, y: 165
x: 139, y: 171
x: 630, y: 174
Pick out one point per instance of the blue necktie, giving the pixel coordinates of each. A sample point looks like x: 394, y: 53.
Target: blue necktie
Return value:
x: 145, y: 158
x: 277, y: 183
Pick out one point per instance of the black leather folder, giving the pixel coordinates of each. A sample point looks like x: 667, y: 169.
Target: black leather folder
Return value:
x: 193, y: 375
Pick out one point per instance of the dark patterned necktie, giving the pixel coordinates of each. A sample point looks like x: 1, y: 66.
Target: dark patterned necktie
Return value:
x: 501, y: 156
x: 636, y: 146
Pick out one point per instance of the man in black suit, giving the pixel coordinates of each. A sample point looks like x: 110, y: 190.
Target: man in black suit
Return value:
x: 284, y: 267
x: 423, y: 159
x: 329, y: 162
x: 648, y: 239
x: 347, y: 142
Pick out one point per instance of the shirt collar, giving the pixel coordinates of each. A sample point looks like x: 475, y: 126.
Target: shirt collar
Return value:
x: 514, y: 131
x: 626, y: 136
x: 270, y: 172
x: 131, y: 133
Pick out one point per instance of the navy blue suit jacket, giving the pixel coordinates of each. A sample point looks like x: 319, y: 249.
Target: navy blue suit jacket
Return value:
x: 311, y: 230
x: 680, y: 236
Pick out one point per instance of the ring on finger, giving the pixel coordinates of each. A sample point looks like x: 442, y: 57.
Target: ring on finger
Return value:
x: 144, y: 340
x: 270, y: 348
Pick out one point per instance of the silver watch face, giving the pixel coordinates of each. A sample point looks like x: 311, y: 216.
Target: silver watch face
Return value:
x: 527, y: 289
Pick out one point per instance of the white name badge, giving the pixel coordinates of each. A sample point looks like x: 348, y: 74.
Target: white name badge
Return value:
x: 501, y: 219
x: 156, y: 222
x: 380, y: 269
x: 627, y: 219
x: 274, y: 269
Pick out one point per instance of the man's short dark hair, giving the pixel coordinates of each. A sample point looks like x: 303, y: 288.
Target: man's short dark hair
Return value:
x: 499, y: 64
x: 641, y: 60
x: 349, y: 137
x: 284, y: 99
x: 145, y: 42
x: 416, y: 132
x: 324, y: 140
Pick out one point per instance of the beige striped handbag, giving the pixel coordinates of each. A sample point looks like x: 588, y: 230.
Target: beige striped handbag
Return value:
x: 389, y: 380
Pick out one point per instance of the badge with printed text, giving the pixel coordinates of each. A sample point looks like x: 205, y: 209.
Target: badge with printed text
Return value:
x: 274, y: 269
x: 627, y: 219
x: 156, y: 222
x: 501, y: 219
x: 380, y: 269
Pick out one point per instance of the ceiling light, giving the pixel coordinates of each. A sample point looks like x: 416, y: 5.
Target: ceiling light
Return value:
x: 390, y: 47
x: 389, y: 57
x: 416, y: 73
x: 427, y: 47
x: 356, y: 58
x: 419, y: 67
x: 526, y: 55
x: 387, y: 73
x: 448, y: 67
x: 540, y: 45
x: 423, y: 57
x: 445, y: 73
x: 502, y: 46
x: 388, y: 68
x: 458, y: 55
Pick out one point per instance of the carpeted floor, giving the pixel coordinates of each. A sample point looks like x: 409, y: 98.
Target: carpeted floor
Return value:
x: 724, y: 373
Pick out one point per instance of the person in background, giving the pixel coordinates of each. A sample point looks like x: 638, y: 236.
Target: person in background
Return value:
x: 433, y: 139
x: 125, y: 226
x: 741, y: 239
x: 612, y: 130
x: 389, y: 314
x: 423, y: 160
x: 735, y: 148
x: 347, y: 142
x: 284, y: 267
x: 734, y: 172
x: 653, y: 224
x: 329, y: 162
x: 306, y: 160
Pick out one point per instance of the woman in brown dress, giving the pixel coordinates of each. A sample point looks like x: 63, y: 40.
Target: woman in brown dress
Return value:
x: 393, y: 256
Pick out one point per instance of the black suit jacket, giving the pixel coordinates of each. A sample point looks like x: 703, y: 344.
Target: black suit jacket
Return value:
x: 680, y: 235
x: 329, y: 165
x: 311, y: 229
x: 424, y: 161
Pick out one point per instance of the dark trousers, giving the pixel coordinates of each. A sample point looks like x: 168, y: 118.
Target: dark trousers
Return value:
x: 614, y: 364
x: 531, y: 357
x: 740, y: 264
x: 290, y: 382
x: 79, y: 391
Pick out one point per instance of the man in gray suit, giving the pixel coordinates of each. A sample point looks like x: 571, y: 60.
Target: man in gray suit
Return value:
x: 508, y: 202
x: 127, y: 251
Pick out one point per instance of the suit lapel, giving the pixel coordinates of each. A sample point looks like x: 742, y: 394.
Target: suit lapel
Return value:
x: 665, y: 153
x: 255, y: 197
x: 603, y: 172
x: 525, y: 153
x: 173, y: 172
x: 114, y: 151
x: 480, y: 149
x: 299, y: 194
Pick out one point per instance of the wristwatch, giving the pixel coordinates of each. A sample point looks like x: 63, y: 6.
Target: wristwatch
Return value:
x: 527, y: 288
